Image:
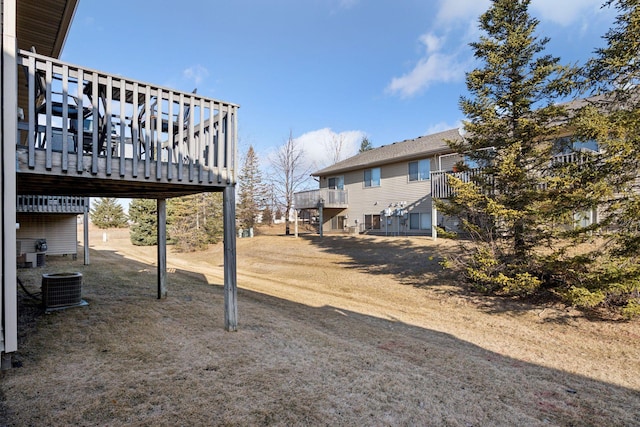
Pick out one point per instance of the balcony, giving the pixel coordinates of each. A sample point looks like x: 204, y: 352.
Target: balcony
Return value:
x: 311, y: 199
x: 440, y: 187
x: 51, y: 204
x: 84, y: 132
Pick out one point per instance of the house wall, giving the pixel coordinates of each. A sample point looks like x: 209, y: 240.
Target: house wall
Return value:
x: 394, y: 188
x: 60, y: 230
x: 2, y: 204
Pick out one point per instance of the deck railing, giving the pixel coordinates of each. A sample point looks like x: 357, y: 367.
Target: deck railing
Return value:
x: 310, y: 199
x: 70, y: 113
x: 440, y: 187
x: 51, y: 204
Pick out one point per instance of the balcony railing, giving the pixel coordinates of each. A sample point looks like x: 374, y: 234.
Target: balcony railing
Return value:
x: 311, y: 199
x: 440, y: 187
x: 74, y: 118
x: 51, y: 204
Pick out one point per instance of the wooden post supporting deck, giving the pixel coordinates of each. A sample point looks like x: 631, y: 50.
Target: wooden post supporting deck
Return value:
x: 85, y: 230
x: 434, y: 220
x: 230, y: 278
x: 162, y: 248
x: 320, y: 217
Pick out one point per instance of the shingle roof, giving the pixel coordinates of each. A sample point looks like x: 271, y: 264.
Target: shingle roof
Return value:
x: 398, y: 151
x: 421, y: 147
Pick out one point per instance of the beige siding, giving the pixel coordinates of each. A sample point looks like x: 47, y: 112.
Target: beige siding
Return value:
x: 394, y: 188
x: 60, y: 230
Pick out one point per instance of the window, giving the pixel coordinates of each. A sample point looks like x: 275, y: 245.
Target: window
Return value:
x: 567, y: 145
x: 420, y: 221
x: 338, y: 222
x: 372, y: 177
x: 591, y: 145
x: 471, y: 163
x: 584, y: 218
x: 336, y: 183
x: 419, y: 171
x: 372, y: 222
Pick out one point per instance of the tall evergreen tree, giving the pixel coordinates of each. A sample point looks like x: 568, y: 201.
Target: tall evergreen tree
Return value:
x: 252, y: 190
x: 612, y: 117
x: 144, y: 222
x: 187, y: 228
x: 195, y: 221
x: 106, y: 212
x: 212, y: 213
x: 192, y: 221
x: 365, y: 145
x: 510, y: 112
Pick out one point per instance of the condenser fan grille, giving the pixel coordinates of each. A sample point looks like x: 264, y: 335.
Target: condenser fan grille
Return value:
x: 61, y: 290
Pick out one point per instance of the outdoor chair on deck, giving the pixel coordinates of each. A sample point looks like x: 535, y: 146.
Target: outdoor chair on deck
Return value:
x: 172, y: 134
x: 57, y: 110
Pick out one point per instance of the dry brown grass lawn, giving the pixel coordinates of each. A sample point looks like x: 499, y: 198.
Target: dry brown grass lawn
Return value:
x: 334, y: 331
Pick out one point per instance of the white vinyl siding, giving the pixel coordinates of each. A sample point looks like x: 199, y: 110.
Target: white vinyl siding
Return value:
x: 60, y: 230
x: 394, y: 188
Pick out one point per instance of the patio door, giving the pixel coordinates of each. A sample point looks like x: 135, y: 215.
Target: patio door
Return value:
x: 338, y: 222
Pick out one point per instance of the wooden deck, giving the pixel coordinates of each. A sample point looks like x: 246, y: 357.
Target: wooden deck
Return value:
x: 87, y: 133
x: 330, y: 198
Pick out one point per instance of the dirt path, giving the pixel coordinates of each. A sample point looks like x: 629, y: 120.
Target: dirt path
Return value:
x: 333, y: 331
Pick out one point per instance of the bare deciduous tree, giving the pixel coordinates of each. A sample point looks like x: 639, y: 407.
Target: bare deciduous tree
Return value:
x: 335, y: 147
x: 290, y: 172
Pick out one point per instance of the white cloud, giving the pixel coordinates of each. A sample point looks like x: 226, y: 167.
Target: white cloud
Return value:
x: 460, y: 10
x: 432, y: 42
x: 315, y: 152
x: 434, y: 68
x: 446, y: 54
x: 196, y: 74
x: 564, y: 12
x: 442, y: 126
x: 348, y: 4
x: 316, y: 145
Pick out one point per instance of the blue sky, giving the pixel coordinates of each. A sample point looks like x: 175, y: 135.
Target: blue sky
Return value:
x: 322, y: 69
